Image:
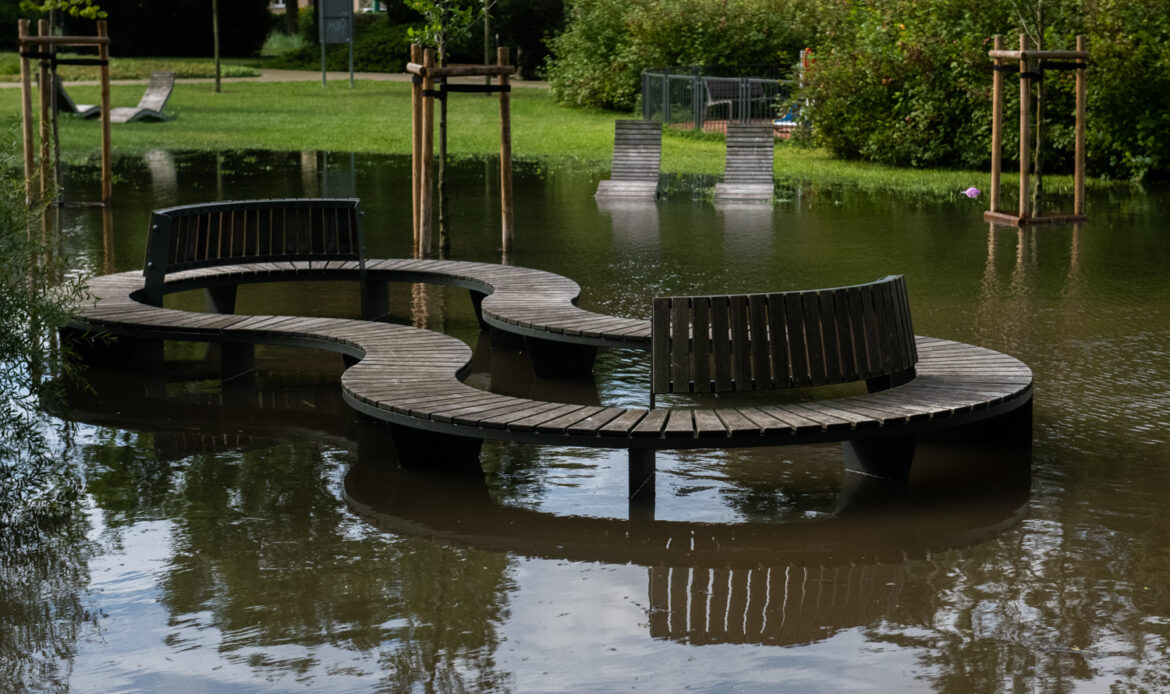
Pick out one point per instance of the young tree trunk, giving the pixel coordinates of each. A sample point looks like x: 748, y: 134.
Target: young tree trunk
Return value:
x: 291, y: 14
x: 215, y: 41
x: 444, y: 230
x: 1038, y: 149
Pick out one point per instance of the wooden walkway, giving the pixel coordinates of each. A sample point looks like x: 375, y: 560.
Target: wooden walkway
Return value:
x: 410, y: 377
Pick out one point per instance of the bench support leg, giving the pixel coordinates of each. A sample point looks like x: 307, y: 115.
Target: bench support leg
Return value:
x: 477, y: 305
x: 375, y: 300
x: 559, y: 359
x: 504, y: 341
x: 416, y: 448
x: 642, y: 477
x: 237, y: 361
x: 885, y: 458
x: 220, y: 299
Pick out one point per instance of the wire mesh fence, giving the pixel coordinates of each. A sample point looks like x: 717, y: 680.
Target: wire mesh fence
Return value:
x: 688, y: 97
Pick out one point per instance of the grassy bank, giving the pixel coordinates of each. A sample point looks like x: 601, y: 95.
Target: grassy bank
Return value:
x: 375, y: 117
x: 137, y: 68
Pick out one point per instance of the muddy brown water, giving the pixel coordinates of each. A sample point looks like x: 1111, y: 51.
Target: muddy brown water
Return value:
x: 272, y: 545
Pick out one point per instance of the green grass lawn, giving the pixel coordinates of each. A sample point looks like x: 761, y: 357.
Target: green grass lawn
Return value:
x: 137, y: 68
x: 375, y: 117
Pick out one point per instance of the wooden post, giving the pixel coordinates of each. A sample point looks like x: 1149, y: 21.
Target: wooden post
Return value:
x: 26, y: 112
x: 1025, y: 129
x: 43, y: 87
x: 1079, y: 165
x: 428, y: 159
x: 415, y: 144
x: 503, y: 59
x: 107, y: 158
x: 996, y: 124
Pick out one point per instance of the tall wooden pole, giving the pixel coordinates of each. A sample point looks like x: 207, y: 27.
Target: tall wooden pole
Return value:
x: 503, y: 59
x: 215, y: 40
x: 996, y: 124
x: 1079, y: 165
x: 46, y: 115
x: 107, y: 157
x: 26, y: 113
x: 428, y: 159
x: 1025, y: 129
x: 416, y: 109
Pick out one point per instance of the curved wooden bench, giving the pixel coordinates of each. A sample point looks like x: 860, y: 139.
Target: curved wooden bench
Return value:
x: 411, y: 378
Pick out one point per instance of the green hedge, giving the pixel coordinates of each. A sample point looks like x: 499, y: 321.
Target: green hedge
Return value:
x: 598, y: 59
x: 899, y: 82
x: 378, y: 46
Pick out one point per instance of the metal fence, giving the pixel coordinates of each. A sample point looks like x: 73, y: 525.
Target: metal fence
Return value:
x: 687, y: 97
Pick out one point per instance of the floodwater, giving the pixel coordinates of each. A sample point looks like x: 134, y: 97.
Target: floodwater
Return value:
x: 270, y: 543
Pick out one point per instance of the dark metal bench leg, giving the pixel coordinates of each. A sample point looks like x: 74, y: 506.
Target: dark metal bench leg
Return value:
x: 375, y: 299
x: 237, y: 364
x: 220, y: 299
x: 419, y: 448
x: 559, y: 359
x: 886, y: 458
x: 477, y: 305
x: 641, y: 484
x: 505, y: 341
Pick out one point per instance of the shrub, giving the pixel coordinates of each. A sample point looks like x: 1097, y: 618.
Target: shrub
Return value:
x: 909, y: 84
x: 599, y: 58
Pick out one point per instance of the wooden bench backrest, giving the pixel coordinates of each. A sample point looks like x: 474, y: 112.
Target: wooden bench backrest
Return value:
x: 750, y: 153
x: 252, y: 231
x: 714, y: 344
x: 637, y: 150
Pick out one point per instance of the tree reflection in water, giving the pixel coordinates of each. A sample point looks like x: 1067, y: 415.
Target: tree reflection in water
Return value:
x: 264, y: 553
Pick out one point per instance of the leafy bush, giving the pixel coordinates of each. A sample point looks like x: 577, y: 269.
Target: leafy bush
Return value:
x: 909, y: 84
x: 279, y: 43
x: 378, y: 47
x: 599, y: 58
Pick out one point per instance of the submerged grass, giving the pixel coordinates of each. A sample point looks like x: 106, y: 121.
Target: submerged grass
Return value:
x: 375, y: 117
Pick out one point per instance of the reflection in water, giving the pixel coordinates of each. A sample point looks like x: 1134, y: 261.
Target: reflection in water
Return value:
x: 634, y: 222
x: 747, y: 228
x: 263, y: 563
x: 209, y: 546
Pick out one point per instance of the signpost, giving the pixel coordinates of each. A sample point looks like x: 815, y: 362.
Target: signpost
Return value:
x: 335, y: 20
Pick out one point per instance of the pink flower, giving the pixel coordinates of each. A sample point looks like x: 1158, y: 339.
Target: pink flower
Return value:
x: 971, y: 192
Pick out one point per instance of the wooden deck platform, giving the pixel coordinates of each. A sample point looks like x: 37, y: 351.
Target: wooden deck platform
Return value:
x: 410, y: 378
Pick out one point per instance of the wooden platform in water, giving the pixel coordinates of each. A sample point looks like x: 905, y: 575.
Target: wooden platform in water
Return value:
x: 411, y: 377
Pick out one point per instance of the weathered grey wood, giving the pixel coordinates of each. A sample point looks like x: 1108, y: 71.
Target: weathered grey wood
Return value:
x: 409, y: 377
x: 748, y: 169
x: 637, y: 152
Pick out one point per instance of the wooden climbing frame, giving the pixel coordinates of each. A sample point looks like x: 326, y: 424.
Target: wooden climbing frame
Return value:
x: 42, y: 47
x: 1031, y: 68
x: 423, y: 93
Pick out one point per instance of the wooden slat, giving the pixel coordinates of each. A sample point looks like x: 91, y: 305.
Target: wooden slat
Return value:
x: 812, y: 338
x: 721, y: 342
x: 740, y: 343
x: 701, y: 343
x: 680, y: 352
x: 778, y: 341
x: 798, y: 347
x: 660, y: 346
x: 761, y: 348
x: 846, y: 341
x: 830, y: 340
